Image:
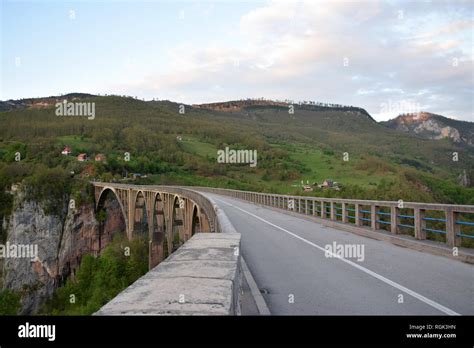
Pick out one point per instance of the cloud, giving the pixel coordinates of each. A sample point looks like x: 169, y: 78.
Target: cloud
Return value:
x: 297, y: 50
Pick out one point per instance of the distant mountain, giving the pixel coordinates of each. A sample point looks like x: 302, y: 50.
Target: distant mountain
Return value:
x: 251, y: 104
x: 432, y: 126
x: 40, y: 102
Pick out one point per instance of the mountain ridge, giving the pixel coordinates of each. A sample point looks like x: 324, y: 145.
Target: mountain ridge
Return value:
x: 225, y: 106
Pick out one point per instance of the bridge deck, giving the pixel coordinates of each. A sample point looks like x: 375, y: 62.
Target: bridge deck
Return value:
x: 286, y: 256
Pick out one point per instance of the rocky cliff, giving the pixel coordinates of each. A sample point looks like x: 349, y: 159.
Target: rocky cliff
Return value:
x: 61, y: 242
x: 433, y: 126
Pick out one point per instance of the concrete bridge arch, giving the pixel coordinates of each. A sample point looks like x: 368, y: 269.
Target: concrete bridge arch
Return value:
x: 171, y: 217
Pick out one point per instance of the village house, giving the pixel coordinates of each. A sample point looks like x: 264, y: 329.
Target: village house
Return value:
x: 82, y: 157
x: 328, y: 183
x: 100, y: 157
x: 66, y: 151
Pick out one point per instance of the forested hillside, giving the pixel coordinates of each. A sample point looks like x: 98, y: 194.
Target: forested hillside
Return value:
x: 312, y: 144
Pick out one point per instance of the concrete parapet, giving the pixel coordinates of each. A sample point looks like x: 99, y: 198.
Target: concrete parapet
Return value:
x: 202, y: 277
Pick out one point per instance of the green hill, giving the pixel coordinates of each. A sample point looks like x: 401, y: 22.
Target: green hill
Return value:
x: 310, y: 145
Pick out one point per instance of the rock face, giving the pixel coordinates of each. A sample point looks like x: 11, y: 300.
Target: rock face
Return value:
x: 433, y: 126
x: 464, y: 179
x: 36, y: 278
x: 62, y: 242
x: 81, y: 235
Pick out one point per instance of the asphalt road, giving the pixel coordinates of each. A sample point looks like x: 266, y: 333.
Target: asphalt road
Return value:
x: 286, y: 256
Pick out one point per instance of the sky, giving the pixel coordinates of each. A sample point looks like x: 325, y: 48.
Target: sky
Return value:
x: 389, y: 57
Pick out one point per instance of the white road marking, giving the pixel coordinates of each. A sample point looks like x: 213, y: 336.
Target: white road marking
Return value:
x: 257, y: 296
x: 353, y: 264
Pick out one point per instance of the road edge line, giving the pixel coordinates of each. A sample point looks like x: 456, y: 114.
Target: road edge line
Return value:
x: 257, y: 296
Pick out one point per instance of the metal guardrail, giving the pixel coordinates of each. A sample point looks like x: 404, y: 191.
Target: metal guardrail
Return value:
x: 372, y: 214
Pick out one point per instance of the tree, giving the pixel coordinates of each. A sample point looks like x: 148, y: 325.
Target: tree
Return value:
x: 9, y: 302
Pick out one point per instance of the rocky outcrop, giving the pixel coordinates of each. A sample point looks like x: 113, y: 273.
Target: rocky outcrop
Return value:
x: 437, y: 130
x: 433, y: 126
x: 83, y: 235
x: 464, y: 179
x: 61, y: 243
x: 34, y: 277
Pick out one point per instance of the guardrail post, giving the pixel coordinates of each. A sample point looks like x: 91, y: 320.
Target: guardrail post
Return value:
x: 323, y: 210
x: 452, y: 229
x: 357, y: 214
x: 420, y: 224
x: 373, y: 216
x: 344, y: 213
x: 333, y: 211
x: 394, y: 219
x: 306, y: 207
x: 314, y: 208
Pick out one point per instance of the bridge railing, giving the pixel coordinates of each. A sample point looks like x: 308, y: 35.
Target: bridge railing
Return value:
x: 449, y: 222
x: 219, y: 221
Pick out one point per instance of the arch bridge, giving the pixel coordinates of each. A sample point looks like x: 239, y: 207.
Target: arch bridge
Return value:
x: 166, y: 216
